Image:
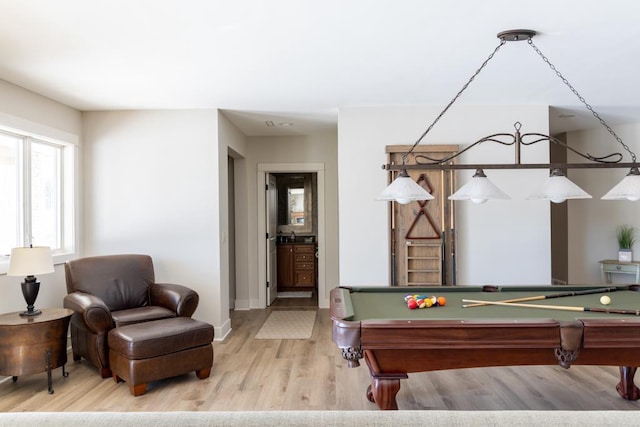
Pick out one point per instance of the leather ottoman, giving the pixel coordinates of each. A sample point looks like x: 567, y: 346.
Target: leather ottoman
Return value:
x: 151, y: 351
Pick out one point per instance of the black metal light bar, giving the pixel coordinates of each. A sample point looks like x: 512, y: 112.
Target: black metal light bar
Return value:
x: 453, y: 166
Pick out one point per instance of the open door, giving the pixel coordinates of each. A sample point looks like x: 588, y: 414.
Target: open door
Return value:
x: 271, y: 200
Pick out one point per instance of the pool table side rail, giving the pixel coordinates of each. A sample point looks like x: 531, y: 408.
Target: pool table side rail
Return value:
x: 457, y: 334
x: 488, y: 288
x: 611, y: 333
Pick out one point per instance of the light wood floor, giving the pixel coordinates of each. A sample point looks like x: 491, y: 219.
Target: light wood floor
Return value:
x: 250, y: 374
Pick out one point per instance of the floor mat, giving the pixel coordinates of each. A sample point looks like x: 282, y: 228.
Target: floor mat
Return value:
x: 298, y: 294
x: 288, y: 325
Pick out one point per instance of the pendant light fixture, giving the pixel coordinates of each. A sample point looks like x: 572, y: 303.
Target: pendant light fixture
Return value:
x: 404, y: 190
x: 627, y: 189
x: 556, y: 188
x: 479, y: 190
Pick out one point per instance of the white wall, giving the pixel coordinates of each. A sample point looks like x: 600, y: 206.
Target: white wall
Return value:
x: 26, y: 110
x: 500, y: 242
x: 592, y: 223
x: 152, y: 186
x: 295, y: 149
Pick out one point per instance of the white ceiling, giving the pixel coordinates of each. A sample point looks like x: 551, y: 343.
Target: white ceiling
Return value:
x: 298, y: 61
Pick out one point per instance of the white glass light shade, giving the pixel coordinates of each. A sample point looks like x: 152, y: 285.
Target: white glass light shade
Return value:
x: 479, y: 190
x: 403, y: 190
x: 30, y: 261
x: 558, y: 188
x: 628, y: 188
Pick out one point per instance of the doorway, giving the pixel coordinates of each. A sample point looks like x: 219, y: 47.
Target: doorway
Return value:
x: 296, y: 209
x: 317, y: 232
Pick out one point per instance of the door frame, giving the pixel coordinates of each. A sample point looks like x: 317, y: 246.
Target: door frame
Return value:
x: 263, y: 170
x: 271, y: 264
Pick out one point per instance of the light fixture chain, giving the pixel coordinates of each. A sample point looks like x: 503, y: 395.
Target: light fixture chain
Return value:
x: 581, y: 98
x: 484, y: 64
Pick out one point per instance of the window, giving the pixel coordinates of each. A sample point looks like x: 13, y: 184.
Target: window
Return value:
x: 36, y: 193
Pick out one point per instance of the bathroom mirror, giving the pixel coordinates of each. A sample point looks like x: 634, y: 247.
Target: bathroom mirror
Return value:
x: 295, y: 213
x: 295, y: 203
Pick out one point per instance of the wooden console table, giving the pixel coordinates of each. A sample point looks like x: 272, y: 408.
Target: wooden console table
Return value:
x: 609, y: 266
x: 30, y: 345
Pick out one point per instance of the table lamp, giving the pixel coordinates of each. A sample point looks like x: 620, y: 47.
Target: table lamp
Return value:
x: 29, y: 262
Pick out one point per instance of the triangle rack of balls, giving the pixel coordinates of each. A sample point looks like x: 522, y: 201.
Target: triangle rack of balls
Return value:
x: 422, y: 301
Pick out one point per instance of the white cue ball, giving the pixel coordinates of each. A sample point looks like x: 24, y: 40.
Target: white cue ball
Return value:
x: 605, y: 300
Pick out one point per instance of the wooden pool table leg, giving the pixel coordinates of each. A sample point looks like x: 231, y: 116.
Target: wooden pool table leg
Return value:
x: 383, y: 391
x: 384, y: 386
x: 626, y: 388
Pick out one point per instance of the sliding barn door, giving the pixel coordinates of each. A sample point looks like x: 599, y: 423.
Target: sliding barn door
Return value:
x: 423, y: 233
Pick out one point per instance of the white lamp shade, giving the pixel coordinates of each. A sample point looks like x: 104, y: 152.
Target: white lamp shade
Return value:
x: 30, y: 261
x: 559, y: 188
x: 627, y: 189
x: 479, y: 190
x: 403, y: 190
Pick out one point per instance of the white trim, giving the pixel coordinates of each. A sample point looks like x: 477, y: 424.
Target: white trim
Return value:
x: 28, y: 128
x: 220, y: 332
x: 263, y: 169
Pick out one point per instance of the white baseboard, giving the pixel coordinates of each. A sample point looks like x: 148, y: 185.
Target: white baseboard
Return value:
x: 221, y: 332
x: 242, y: 305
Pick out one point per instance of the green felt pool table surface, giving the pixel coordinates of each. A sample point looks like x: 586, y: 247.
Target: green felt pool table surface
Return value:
x: 389, y: 304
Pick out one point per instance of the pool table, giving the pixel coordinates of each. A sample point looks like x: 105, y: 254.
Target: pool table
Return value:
x: 376, y: 324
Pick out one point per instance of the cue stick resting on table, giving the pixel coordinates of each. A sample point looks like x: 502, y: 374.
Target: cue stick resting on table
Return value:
x: 558, y: 307
x: 559, y: 295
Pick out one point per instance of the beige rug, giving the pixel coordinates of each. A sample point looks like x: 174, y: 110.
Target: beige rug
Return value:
x: 283, y: 325
x: 298, y: 294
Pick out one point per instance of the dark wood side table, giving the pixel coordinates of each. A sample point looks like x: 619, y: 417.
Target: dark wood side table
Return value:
x: 30, y: 345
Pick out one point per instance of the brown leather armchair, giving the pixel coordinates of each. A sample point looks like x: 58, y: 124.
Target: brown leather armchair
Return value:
x: 109, y: 291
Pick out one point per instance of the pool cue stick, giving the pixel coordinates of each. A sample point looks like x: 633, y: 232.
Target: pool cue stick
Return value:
x: 559, y: 295
x: 558, y: 307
